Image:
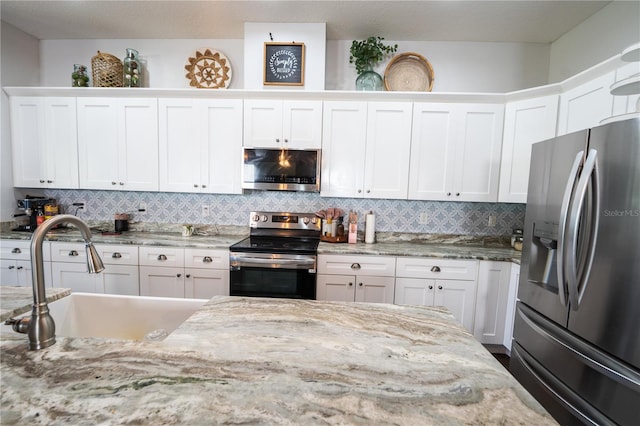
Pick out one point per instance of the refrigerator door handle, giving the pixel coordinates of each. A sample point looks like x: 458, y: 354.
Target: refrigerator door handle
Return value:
x: 576, y: 280
x: 564, y: 212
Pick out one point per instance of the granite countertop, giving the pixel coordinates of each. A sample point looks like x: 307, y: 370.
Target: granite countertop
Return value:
x: 17, y: 300
x: 270, y: 361
x: 388, y: 245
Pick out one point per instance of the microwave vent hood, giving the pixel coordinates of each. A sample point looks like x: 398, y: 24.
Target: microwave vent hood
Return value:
x: 276, y: 169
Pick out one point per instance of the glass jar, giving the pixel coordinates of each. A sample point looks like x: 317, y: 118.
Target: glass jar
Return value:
x: 132, y: 69
x: 79, y: 77
x: 369, y: 80
x: 517, y: 234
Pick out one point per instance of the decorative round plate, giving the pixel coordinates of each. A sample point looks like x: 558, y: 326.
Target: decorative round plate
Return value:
x: 409, y: 72
x: 209, y: 70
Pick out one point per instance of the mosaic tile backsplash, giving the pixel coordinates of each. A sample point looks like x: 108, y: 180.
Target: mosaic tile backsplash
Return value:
x: 391, y: 215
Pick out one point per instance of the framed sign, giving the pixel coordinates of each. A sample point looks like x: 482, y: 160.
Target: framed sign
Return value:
x: 283, y: 64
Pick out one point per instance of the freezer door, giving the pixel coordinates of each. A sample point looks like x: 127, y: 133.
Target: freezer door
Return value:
x: 608, y: 314
x: 554, y: 173
x: 571, y: 378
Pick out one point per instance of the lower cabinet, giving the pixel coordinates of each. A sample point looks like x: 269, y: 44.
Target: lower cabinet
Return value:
x: 438, y: 282
x: 491, y: 312
x: 356, y: 278
x: 177, y: 272
x: 15, y: 263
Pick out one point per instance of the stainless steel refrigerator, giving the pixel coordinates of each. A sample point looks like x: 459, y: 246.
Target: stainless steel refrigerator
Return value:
x: 577, y: 329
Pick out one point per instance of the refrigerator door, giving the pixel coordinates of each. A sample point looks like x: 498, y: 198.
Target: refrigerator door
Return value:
x: 554, y: 174
x: 608, y: 314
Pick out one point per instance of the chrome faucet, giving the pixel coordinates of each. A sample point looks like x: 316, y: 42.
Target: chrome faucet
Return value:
x: 40, y: 326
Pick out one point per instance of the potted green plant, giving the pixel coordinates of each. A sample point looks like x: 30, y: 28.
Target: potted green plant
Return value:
x: 365, y: 55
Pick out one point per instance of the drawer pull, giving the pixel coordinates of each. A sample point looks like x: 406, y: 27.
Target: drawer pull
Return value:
x: 439, y: 287
x: 178, y: 275
x: 207, y: 259
x: 435, y: 269
x: 20, y: 268
x: 16, y: 251
x: 188, y: 275
x: 116, y: 255
x: 350, y: 284
x: 430, y: 287
x: 73, y: 253
x: 12, y: 267
x: 359, y: 284
x: 355, y: 266
x: 162, y: 257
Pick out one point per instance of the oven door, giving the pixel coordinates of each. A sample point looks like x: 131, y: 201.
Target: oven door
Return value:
x: 272, y: 275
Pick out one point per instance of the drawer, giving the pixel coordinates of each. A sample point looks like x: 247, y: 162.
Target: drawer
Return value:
x: 118, y: 254
x: 161, y: 256
x: 435, y: 268
x: 383, y: 266
x: 206, y: 258
x: 68, y: 252
x: 15, y: 249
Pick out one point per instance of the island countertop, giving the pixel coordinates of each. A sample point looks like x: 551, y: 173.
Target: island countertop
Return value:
x: 270, y: 361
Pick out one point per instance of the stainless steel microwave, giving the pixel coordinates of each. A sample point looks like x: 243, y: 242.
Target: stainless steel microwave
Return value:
x: 281, y: 169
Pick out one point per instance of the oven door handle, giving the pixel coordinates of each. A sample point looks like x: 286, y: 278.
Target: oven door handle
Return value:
x: 248, y: 262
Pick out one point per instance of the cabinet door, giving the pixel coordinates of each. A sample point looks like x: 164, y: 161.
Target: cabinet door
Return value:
x: 362, y: 265
x: 138, y: 144
x: 525, y: 123
x: 161, y: 282
x: 337, y: 288
x: 459, y: 297
x: 8, y: 272
x: 206, y: 283
x: 433, y: 151
x: 491, y: 301
x: 61, y: 140
x: 387, y: 150
x: 75, y: 277
x: 98, y: 143
x: 478, y: 149
x: 344, y: 137
x: 182, y: 154
x: 120, y: 279
x: 374, y: 289
x: 414, y: 291
x: 222, y: 131
x: 28, y: 148
x: 511, y: 305
x: 586, y: 105
x: 263, y: 123
x: 302, y: 124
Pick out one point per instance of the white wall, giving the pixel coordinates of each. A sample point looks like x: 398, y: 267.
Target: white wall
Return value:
x: 598, y: 38
x: 20, y: 67
x: 458, y: 66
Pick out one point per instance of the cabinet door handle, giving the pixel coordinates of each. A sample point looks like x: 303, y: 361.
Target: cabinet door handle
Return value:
x: 121, y: 183
x: 188, y: 275
x: 368, y: 191
x: 277, y: 140
x: 41, y: 180
x: 195, y: 185
x: 116, y: 255
x: 439, y: 287
x: 204, y: 186
x: 207, y: 259
x: 12, y: 267
x: 113, y: 183
x: 49, y: 181
x: 162, y: 257
x: 457, y: 194
x: 359, y: 284
x: 355, y: 266
x: 16, y: 251
x: 73, y: 253
x: 359, y: 191
x: 430, y: 287
x: 350, y: 284
x: 435, y: 269
x: 20, y: 268
x: 178, y: 275
x: 286, y: 141
x: 448, y: 194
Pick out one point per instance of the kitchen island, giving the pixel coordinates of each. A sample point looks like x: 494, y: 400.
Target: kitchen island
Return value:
x: 270, y: 361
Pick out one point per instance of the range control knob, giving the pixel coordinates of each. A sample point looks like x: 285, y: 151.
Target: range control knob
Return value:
x: 264, y: 218
x: 314, y: 220
x: 255, y: 218
x: 306, y: 220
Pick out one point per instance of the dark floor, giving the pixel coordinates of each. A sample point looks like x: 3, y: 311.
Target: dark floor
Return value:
x: 503, y: 358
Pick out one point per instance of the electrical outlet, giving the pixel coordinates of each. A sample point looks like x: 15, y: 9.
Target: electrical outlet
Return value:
x: 79, y: 207
x: 205, y: 210
x: 492, y: 221
x: 424, y: 218
x: 142, y: 207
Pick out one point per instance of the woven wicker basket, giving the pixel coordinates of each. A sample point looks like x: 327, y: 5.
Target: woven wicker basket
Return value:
x: 106, y: 70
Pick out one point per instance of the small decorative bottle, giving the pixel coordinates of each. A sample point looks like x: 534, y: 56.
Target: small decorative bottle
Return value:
x: 79, y: 77
x: 132, y: 69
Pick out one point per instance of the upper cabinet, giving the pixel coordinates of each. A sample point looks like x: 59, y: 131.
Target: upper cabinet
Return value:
x: 200, y: 145
x: 44, y: 142
x: 282, y: 124
x: 455, y: 152
x: 118, y: 143
x: 525, y: 123
x: 366, y: 149
x: 586, y: 105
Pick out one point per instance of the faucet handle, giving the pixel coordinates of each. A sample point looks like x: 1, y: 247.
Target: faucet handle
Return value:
x: 20, y: 325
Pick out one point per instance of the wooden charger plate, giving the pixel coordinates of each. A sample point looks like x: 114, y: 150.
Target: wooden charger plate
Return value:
x: 409, y: 72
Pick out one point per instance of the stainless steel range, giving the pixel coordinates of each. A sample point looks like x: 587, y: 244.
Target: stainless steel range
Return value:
x: 278, y: 259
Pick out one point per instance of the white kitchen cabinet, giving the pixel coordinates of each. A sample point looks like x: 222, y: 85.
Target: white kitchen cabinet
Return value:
x: 44, y: 142
x: 438, y: 282
x: 366, y: 149
x: 200, y: 145
x: 525, y: 123
x: 118, y: 143
x: 494, y: 281
x: 586, y: 105
x: 455, y: 152
x: 15, y: 263
x: 356, y: 278
x: 120, y: 276
x: 511, y: 305
x: 161, y: 271
x: 273, y: 123
x: 206, y: 273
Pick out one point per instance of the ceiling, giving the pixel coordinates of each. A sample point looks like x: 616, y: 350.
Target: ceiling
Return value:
x: 451, y: 20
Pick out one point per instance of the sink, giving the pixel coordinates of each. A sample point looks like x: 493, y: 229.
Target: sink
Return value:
x: 120, y: 317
